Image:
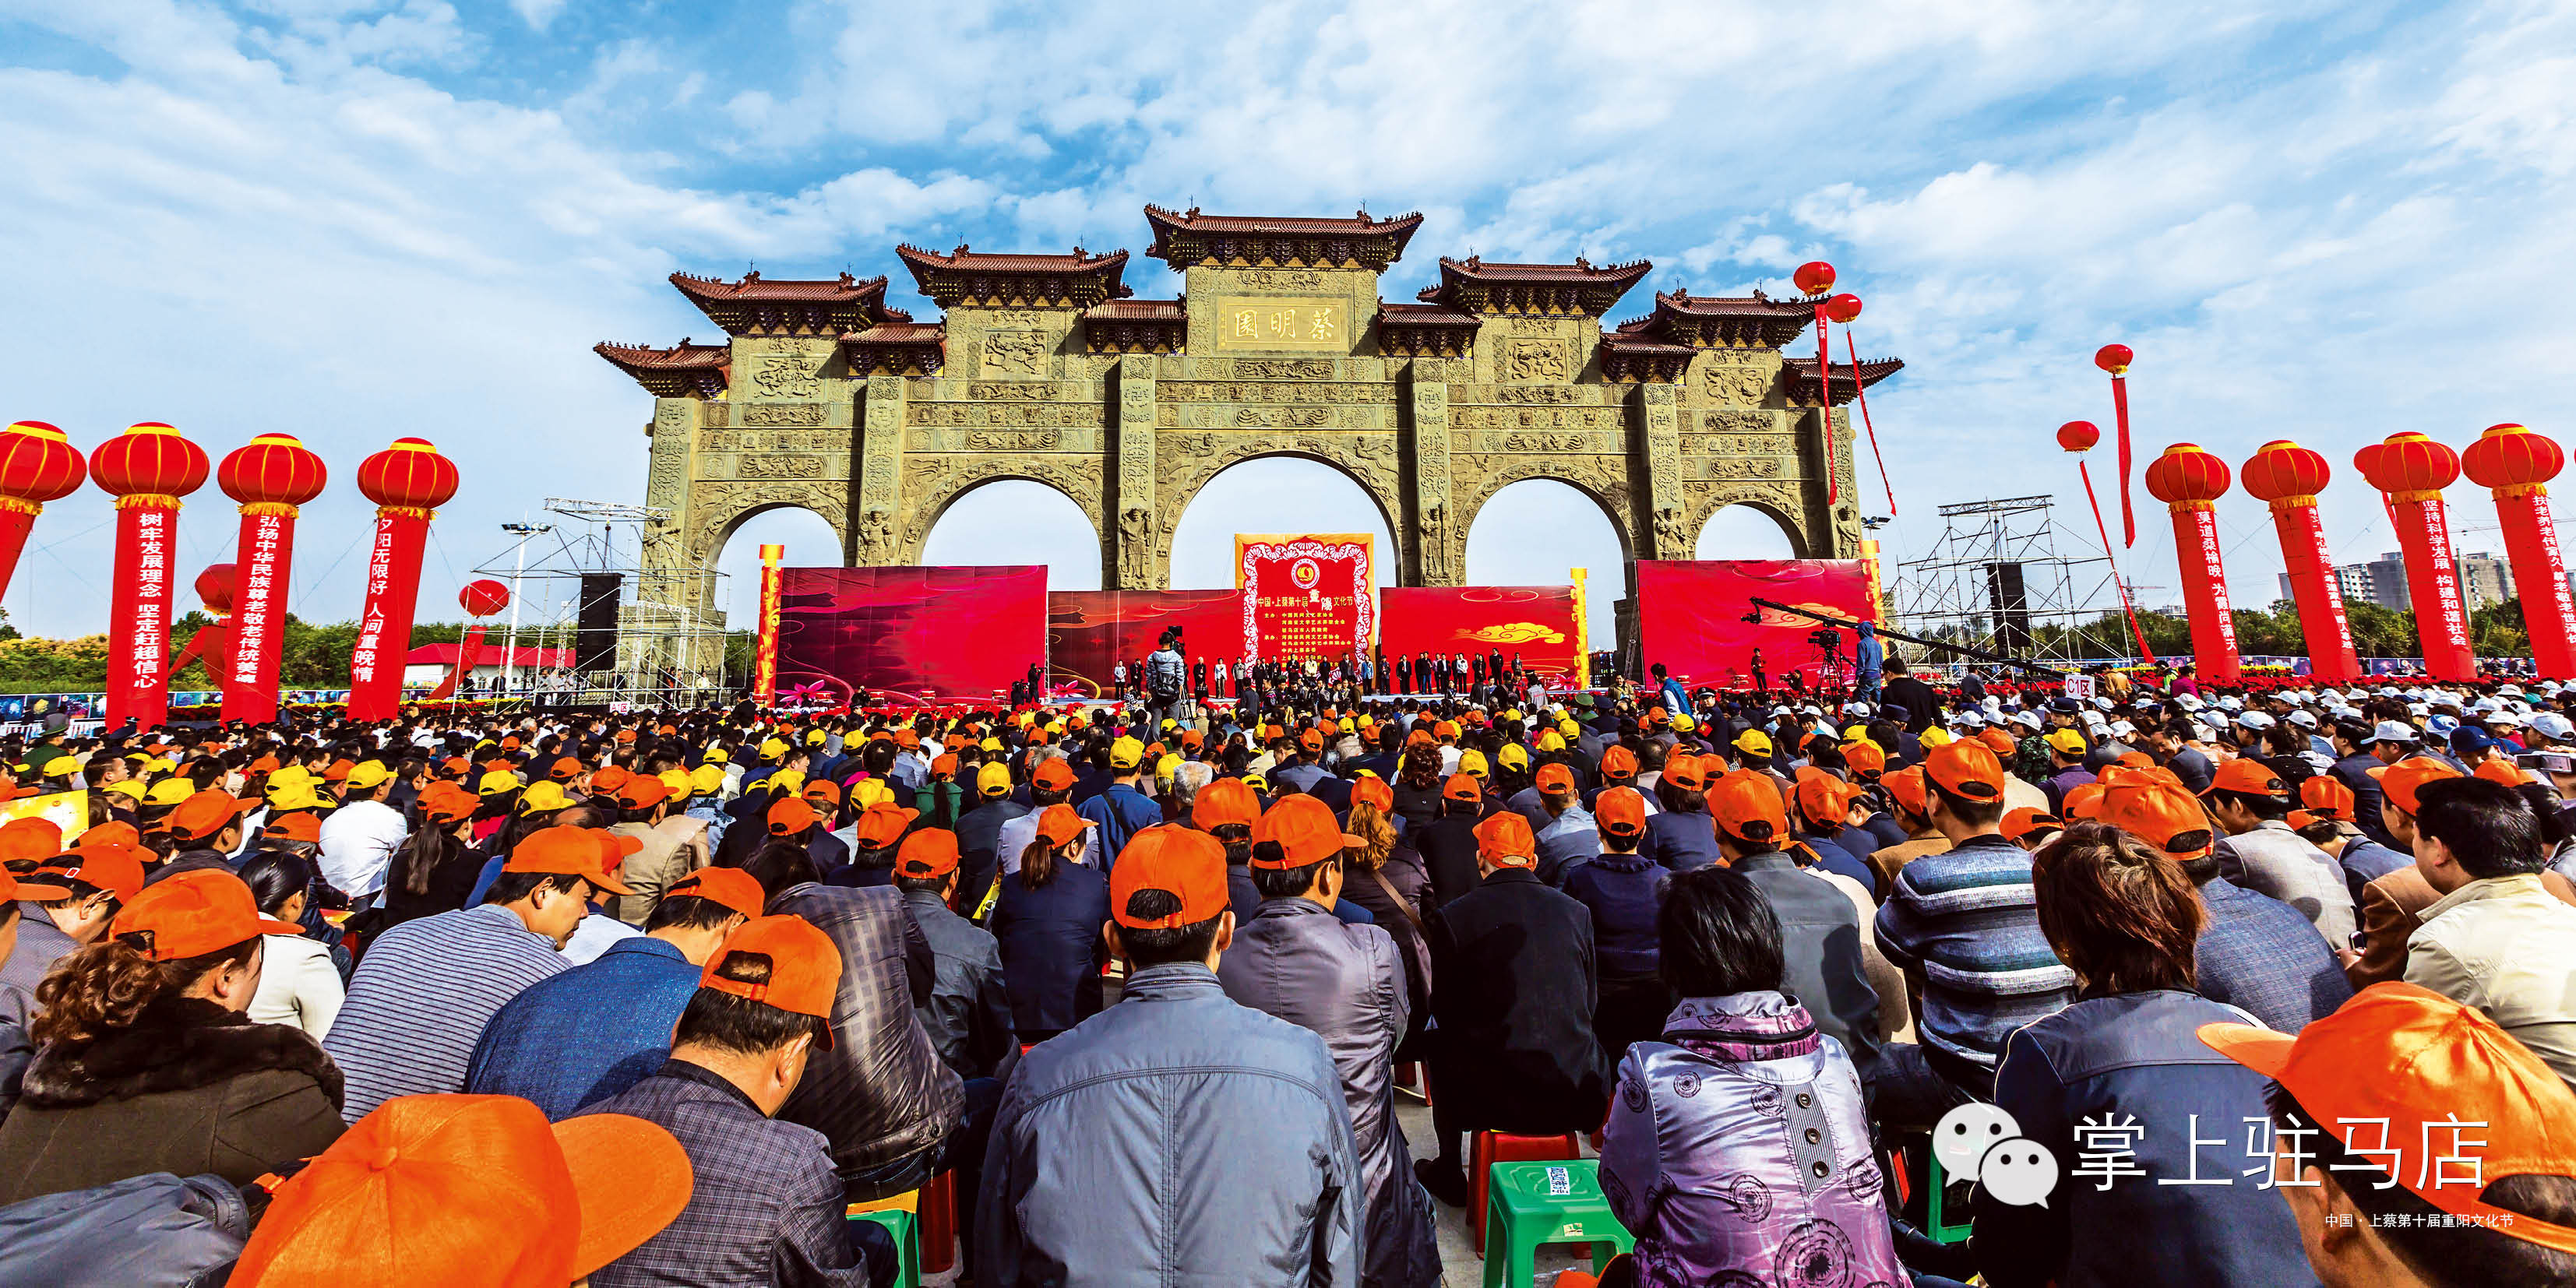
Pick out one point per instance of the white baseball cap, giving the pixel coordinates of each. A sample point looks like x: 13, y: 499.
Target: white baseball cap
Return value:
x: 2392, y: 731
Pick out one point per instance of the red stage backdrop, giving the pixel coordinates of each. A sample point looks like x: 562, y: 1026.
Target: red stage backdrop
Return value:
x: 909, y: 634
x: 1306, y: 596
x: 1541, y: 624
x: 1690, y: 615
x: 1090, y: 631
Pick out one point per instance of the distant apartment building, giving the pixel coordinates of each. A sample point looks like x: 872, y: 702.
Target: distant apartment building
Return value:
x: 2484, y: 579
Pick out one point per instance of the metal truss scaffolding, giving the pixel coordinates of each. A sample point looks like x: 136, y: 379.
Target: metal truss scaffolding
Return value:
x: 665, y: 653
x: 1997, y: 580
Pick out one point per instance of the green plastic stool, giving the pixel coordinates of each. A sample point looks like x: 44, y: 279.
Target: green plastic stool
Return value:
x: 1531, y: 1205
x: 902, y: 1225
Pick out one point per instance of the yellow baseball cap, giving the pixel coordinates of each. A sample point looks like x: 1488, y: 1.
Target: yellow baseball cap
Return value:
x: 171, y: 791
x: 543, y: 796
x: 369, y: 773
x: 491, y: 784
x: 1126, y: 753
x: 772, y: 749
x: 1514, y: 756
x: 130, y: 788
x: 706, y: 780
x: 791, y: 779
x: 1472, y: 764
x: 2067, y: 740
x: 993, y: 779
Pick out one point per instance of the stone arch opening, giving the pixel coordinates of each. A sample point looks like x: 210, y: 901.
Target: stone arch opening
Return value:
x: 1014, y: 520
x: 810, y: 539
x: 1746, y: 529
x: 1533, y: 532
x: 1272, y: 491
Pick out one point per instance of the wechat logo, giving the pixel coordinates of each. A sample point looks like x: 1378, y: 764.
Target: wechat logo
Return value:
x: 1982, y: 1143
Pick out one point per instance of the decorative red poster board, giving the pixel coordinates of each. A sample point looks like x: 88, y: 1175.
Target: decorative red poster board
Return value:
x: 1091, y: 631
x: 1541, y: 625
x: 909, y: 634
x: 1306, y: 596
x: 1690, y: 615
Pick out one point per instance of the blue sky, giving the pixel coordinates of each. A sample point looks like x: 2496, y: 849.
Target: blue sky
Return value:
x: 354, y: 220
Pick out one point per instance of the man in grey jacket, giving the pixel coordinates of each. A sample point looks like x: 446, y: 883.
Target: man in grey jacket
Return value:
x: 2261, y: 853
x: 1299, y: 962
x: 968, y: 1016
x: 1175, y: 1137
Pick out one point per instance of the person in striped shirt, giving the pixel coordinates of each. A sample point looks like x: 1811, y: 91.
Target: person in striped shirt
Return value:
x: 425, y: 989
x: 1964, y: 927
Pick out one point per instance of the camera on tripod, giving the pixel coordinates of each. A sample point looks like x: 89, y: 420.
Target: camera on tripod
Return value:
x: 1826, y: 638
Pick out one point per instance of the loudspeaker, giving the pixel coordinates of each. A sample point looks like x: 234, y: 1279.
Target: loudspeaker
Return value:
x: 2011, y: 601
x: 595, y: 647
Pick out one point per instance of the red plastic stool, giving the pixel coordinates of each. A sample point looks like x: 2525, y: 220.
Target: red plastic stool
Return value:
x: 1491, y: 1147
x: 939, y: 1223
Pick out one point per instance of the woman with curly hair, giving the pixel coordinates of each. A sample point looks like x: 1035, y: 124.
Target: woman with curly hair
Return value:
x: 146, y: 1063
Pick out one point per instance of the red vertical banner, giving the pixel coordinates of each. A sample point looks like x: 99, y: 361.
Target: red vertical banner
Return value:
x: 2540, y: 579
x: 2204, y: 594
x: 384, y: 624
x: 266, y: 558
x: 139, y: 606
x: 2441, y: 616
x: 764, y: 666
x: 2312, y: 586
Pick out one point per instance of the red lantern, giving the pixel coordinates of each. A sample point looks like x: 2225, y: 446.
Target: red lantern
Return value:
x: 147, y: 469
x: 2078, y: 435
x: 2412, y: 470
x: 2113, y: 358
x: 483, y: 598
x: 2288, y: 478
x: 408, y: 482
x: 2361, y: 460
x: 1815, y: 277
x: 2516, y: 466
x: 2187, y: 480
x: 270, y: 476
x: 216, y: 587
x: 37, y: 464
x: 1843, y: 308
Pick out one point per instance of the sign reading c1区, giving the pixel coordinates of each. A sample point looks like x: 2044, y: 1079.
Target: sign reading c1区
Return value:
x: 1306, y: 596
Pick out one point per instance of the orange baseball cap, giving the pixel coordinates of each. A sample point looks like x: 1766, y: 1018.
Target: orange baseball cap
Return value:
x: 1058, y: 824
x: 1462, y: 787
x: 1618, y: 763
x: 116, y: 869
x: 1620, y: 811
x: 642, y: 791
x: 2021, y: 822
x: 2250, y: 776
x: 441, y: 802
x: 1865, y: 757
x: 1997, y: 741
x: 1824, y: 799
x: 2326, y: 797
x: 338, y: 770
x: 193, y: 913
x: 2084, y: 800
x: 2408, y: 1058
x: 804, y: 968
x: 1685, y: 771
x: 729, y: 887
x: 883, y: 823
x: 1224, y: 801
x: 823, y: 789
x: 930, y: 852
x: 2498, y: 771
x: 609, y: 778
x: 1554, y: 777
x: 2163, y: 815
x: 22, y: 839
x: 1906, y: 785
x: 1505, y: 841
x: 1188, y: 865
x: 113, y: 833
x: 205, y: 814
x: 941, y: 767
x: 1304, y: 830
x: 571, y: 851
x: 1966, y: 769
x: 453, y: 1189
x: 1372, y: 792
x: 564, y: 770
x: 789, y: 816
x: 1053, y: 775
x: 295, y: 827
x: 1311, y: 740
x: 1746, y: 805
x: 2400, y: 782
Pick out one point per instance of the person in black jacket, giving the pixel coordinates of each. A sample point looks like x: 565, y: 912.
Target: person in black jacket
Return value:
x: 1447, y: 844
x: 1922, y: 705
x: 1512, y: 995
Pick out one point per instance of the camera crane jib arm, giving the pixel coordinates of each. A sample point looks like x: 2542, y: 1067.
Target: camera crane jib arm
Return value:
x: 1829, y: 619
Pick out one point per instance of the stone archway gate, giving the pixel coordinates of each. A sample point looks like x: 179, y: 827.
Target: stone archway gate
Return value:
x: 1044, y: 367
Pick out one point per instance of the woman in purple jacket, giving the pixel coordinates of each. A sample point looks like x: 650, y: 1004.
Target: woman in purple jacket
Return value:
x: 1737, y: 1148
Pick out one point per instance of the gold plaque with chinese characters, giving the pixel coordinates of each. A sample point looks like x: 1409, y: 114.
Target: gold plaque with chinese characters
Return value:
x: 1274, y: 322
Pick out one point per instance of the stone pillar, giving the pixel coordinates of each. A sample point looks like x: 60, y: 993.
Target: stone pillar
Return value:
x: 1133, y: 525
x: 1833, y: 528
x: 876, y: 497
x: 1658, y: 429
x: 1435, y: 513
x: 672, y: 570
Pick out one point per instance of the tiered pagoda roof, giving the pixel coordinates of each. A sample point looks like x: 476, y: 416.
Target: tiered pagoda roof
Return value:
x: 1186, y: 238
x: 1426, y: 330
x: 682, y: 371
x: 962, y: 276
x: 756, y: 306
x: 1798, y: 379
x: 1638, y: 357
x: 905, y: 348
x: 1725, y: 322
x: 1554, y: 290
x: 1136, y: 326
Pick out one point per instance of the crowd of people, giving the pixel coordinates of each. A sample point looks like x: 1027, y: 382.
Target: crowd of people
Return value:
x: 2269, y: 988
